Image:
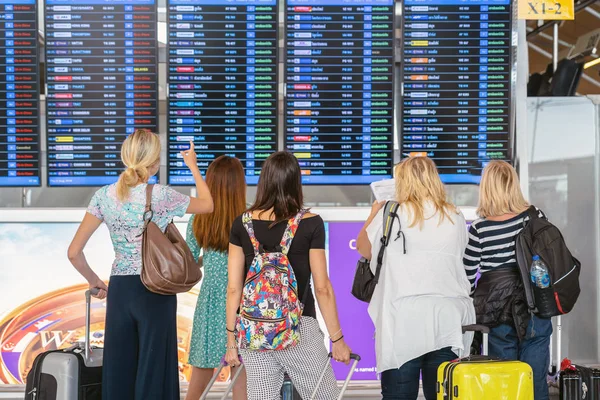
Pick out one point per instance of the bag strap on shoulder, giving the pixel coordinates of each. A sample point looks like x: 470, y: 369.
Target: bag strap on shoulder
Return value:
x: 390, y: 214
x: 290, y: 231
x: 533, y: 212
x: 288, y: 235
x: 247, y: 222
x: 148, y: 213
x: 149, y: 188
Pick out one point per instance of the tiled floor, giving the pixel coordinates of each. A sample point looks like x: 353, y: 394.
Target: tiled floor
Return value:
x: 364, y: 392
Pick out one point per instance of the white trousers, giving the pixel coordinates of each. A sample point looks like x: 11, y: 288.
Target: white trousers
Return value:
x: 303, y: 363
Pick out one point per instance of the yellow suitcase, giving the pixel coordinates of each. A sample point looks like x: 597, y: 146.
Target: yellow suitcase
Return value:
x: 480, y: 378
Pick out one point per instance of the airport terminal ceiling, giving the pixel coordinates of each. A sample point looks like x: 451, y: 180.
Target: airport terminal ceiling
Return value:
x: 586, y: 21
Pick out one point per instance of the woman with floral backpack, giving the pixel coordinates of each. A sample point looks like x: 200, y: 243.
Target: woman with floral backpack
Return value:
x: 275, y: 248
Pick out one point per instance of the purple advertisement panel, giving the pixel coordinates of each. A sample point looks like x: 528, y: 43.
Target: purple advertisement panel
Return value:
x: 358, y: 328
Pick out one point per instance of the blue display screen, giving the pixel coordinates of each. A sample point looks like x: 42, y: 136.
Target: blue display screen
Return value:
x: 456, y: 66
x: 101, y: 65
x: 19, y: 99
x: 222, y: 77
x: 339, y: 85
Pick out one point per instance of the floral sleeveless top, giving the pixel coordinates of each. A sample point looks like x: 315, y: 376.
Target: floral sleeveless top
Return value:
x: 125, y: 220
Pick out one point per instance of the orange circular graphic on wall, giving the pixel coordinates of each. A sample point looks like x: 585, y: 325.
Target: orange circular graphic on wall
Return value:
x: 56, y: 320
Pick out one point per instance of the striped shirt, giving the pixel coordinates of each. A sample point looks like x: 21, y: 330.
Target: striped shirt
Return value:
x: 492, y: 245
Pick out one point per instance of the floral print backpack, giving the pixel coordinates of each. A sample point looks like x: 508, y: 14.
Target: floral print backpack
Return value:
x: 270, y: 309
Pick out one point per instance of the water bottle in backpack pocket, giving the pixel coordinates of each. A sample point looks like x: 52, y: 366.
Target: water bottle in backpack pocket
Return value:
x: 542, y: 288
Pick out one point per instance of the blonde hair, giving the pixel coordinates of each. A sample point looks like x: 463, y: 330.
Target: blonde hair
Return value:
x: 140, y: 151
x: 500, y: 191
x: 417, y: 182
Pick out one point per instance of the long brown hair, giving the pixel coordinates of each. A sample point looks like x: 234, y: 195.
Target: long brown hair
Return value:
x: 227, y: 185
x: 279, y: 187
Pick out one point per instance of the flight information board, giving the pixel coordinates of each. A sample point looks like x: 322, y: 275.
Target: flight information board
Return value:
x: 222, y: 77
x: 456, y: 66
x: 102, y: 63
x: 19, y: 98
x: 339, y: 105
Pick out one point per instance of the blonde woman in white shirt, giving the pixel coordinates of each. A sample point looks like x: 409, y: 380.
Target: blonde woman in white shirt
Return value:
x: 422, y: 299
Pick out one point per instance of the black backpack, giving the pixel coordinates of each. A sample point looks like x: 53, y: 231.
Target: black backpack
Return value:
x: 540, y: 237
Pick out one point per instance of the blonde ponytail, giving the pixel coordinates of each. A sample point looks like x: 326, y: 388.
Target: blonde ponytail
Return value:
x: 140, y: 151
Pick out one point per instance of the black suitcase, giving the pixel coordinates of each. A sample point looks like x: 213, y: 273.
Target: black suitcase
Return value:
x: 579, y: 383
x: 71, y: 374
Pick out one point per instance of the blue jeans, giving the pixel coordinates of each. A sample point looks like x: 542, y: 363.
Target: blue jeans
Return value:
x: 534, y: 350
x: 403, y: 383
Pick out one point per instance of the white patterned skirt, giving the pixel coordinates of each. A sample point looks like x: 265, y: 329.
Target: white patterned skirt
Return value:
x: 303, y: 363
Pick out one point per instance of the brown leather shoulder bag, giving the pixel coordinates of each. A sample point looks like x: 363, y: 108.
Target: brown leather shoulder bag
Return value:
x: 168, y: 266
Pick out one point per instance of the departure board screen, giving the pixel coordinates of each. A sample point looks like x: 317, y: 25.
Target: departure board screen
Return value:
x: 19, y: 99
x: 101, y: 60
x: 222, y: 77
x: 339, y: 105
x: 456, y: 67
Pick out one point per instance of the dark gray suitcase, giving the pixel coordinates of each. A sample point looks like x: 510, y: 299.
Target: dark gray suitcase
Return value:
x: 71, y: 374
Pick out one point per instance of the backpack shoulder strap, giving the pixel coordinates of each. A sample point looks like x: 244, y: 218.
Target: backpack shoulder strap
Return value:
x: 533, y: 212
x: 247, y: 222
x: 290, y: 231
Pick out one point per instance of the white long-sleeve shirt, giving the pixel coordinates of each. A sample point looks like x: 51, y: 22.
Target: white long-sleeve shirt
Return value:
x: 422, y: 299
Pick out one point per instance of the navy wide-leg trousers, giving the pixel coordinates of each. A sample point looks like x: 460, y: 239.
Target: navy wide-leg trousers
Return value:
x: 140, y: 345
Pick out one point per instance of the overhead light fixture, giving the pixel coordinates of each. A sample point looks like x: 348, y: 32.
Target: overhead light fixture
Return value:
x: 590, y: 64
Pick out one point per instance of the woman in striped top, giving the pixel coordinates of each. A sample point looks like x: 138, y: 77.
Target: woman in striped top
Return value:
x: 499, y: 296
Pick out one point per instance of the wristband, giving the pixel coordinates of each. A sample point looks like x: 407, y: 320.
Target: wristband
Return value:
x: 335, y: 334
x: 229, y: 330
x: 338, y: 339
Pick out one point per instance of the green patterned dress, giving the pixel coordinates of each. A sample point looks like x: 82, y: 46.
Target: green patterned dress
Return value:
x: 209, y: 337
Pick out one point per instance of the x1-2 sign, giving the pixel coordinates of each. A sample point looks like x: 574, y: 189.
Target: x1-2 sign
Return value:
x: 546, y: 9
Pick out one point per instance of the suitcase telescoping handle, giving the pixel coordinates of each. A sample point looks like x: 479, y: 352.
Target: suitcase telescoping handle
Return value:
x: 354, y: 357
x: 238, y: 371
x: 555, y: 361
x: 478, y: 328
x: 558, y: 342
x: 88, y: 324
